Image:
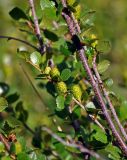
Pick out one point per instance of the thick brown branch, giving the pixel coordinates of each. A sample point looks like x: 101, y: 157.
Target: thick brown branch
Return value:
x: 96, y: 89
x: 5, y: 142
x: 69, y: 21
x: 37, y: 28
x: 20, y: 40
x: 75, y: 22
x: 72, y: 144
x: 108, y: 99
x: 102, y: 103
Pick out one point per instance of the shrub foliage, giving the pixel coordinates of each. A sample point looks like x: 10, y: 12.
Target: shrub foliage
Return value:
x: 65, y: 52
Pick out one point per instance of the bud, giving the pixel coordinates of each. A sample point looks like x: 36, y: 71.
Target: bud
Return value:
x: 70, y: 2
x: 47, y: 70
x: 77, y: 11
x: 61, y: 87
x: 54, y: 73
x: 76, y: 91
x: 93, y: 36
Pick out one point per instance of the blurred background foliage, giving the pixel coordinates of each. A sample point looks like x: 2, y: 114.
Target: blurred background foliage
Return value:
x: 110, y: 24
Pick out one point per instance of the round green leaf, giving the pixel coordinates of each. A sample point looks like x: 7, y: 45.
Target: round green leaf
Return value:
x: 13, y: 122
x: 3, y: 104
x: 17, y: 14
x: 65, y: 75
x: 35, y: 57
x: 12, y: 98
x: 103, y: 46
x: 46, y: 4
x: 60, y: 102
x: 22, y: 156
x: 90, y: 106
x: 114, y: 152
x: 98, y: 134
x: 109, y: 82
x: 103, y: 66
x: 50, y: 35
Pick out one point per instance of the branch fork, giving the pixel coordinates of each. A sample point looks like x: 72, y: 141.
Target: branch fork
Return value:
x: 81, y: 51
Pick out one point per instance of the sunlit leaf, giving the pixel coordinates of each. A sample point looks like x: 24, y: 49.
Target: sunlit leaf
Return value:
x: 90, y: 106
x: 46, y: 4
x: 65, y: 74
x: 103, y: 66
x: 103, y: 46
x: 99, y: 134
x: 18, y: 147
x: 60, y: 102
x: 114, y: 152
x: 35, y: 57
x: 109, y: 82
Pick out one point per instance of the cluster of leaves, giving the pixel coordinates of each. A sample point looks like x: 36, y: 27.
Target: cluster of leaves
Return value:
x: 62, y: 74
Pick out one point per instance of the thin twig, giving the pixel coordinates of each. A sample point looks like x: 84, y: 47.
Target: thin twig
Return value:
x: 72, y: 144
x: 91, y: 116
x: 20, y: 40
x: 5, y: 142
x: 81, y: 51
x: 34, y: 65
x: 76, y: 101
x: 28, y: 128
x: 76, y: 23
x: 37, y: 28
x: 107, y: 98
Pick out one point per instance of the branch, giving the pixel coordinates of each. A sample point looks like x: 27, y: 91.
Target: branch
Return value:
x: 91, y: 116
x: 36, y: 24
x: 5, y: 142
x: 108, y: 99
x: 34, y: 65
x: 75, y: 22
x: 17, y: 39
x: 28, y: 128
x: 96, y: 89
x: 72, y: 144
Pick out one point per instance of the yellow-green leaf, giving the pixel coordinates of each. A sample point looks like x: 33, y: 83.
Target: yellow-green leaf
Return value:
x: 3, y: 104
